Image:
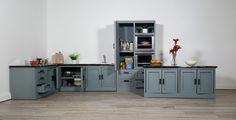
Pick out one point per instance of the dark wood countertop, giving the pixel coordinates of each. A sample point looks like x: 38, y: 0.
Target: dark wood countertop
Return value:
x: 61, y: 65
x: 163, y: 66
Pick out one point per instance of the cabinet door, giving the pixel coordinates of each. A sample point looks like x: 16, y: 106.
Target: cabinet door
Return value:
x: 205, y: 82
x: 108, y: 78
x: 169, y: 81
x: 153, y: 81
x: 188, y: 78
x: 93, y: 78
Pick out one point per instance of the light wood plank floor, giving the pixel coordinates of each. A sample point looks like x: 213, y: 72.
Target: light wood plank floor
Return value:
x: 120, y: 106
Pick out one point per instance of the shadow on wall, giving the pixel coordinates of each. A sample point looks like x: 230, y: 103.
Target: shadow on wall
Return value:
x: 197, y: 55
x: 105, y: 43
x: 159, y: 42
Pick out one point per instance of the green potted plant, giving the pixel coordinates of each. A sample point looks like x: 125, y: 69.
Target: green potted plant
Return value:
x: 74, y: 56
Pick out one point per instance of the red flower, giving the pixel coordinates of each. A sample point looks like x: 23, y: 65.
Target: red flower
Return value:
x: 171, y: 50
x: 175, y: 47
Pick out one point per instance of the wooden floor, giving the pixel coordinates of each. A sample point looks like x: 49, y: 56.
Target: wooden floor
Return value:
x: 120, y: 106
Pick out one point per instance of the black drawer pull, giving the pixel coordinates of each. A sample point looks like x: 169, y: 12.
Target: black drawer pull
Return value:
x: 126, y: 80
x: 195, y: 81
x: 126, y: 72
x: 41, y: 78
x: 199, y: 82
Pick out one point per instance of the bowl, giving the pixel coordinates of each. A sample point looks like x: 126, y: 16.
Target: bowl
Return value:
x: 191, y: 62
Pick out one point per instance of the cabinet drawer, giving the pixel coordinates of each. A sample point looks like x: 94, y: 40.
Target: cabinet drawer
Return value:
x: 126, y: 82
x: 139, y: 84
x: 126, y: 74
x: 43, y: 88
x: 41, y: 71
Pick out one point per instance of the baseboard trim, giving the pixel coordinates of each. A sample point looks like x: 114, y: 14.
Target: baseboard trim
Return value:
x: 5, y: 96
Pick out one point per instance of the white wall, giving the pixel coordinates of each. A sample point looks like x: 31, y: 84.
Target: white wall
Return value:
x: 22, y: 35
x: 206, y: 29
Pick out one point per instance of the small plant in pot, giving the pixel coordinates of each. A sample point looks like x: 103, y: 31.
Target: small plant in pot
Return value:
x: 74, y: 56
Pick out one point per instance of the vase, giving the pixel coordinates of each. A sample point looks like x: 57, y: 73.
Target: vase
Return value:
x: 173, y: 62
x: 73, y: 61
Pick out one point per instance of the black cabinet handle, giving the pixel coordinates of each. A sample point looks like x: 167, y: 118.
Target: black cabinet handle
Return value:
x: 102, y: 76
x: 126, y: 80
x: 160, y: 81
x: 199, y: 82
x: 126, y: 72
x: 163, y: 81
x: 99, y: 77
x: 195, y: 81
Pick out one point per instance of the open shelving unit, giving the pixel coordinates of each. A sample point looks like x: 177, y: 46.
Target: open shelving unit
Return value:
x: 130, y: 33
x: 71, y: 78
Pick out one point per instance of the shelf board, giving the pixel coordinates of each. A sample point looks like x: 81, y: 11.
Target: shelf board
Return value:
x: 144, y: 44
x: 144, y: 34
x: 126, y: 51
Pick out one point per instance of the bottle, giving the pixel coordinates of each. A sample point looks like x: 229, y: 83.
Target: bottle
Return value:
x: 131, y: 47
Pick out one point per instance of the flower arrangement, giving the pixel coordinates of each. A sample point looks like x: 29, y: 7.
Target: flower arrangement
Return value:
x: 174, y: 50
x: 74, y: 56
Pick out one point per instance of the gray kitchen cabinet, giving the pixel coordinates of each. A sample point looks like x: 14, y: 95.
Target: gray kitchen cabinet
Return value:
x: 134, y: 48
x: 161, y: 81
x: 71, y: 78
x: 197, y: 82
x: 31, y: 82
x: 179, y: 82
x: 100, y: 78
x: 153, y: 83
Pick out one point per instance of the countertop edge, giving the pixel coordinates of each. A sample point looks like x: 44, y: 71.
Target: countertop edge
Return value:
x: 180, y: 66
x: 59, y: 65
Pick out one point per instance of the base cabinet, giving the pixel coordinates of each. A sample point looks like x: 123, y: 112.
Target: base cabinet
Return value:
x: 100, y: 78
x: 197, y: 82
x: 31, y: 82
x: 161, y: 81
x: 71, y: 78
x: 180, y: 82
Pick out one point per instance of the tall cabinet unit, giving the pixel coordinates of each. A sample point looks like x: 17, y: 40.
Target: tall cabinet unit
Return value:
x: 135, y: 47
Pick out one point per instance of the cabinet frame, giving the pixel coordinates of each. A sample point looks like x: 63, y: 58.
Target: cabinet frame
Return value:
x: 102, y: 80
x: 193, y: 82
x: 162, y: 81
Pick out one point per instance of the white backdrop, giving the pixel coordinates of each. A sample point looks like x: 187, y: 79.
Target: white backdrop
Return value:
x: 22, y: 35
x: 206, y: 29
x: 40, y: 28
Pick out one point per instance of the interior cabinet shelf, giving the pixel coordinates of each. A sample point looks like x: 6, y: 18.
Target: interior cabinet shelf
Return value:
x: 126, y: 51
x: 144, y: 34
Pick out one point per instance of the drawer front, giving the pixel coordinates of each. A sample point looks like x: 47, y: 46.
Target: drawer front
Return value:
x: 43, y: 88
x: 127, y: 74
x: 41, y: 75
x: 139, y: 84
x: 126, y: 82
